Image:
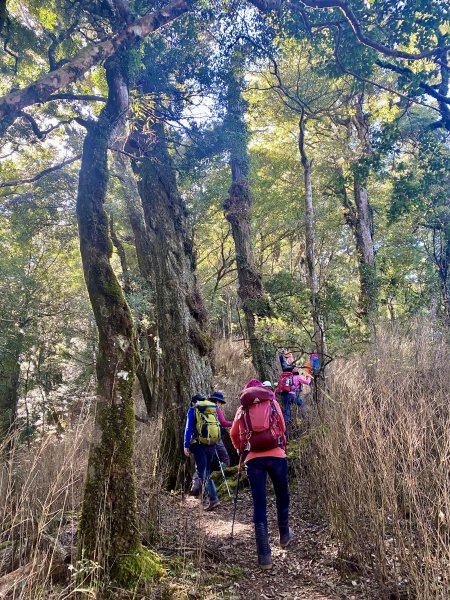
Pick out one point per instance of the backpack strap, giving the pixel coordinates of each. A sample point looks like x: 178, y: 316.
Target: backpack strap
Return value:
x: 244, y: 418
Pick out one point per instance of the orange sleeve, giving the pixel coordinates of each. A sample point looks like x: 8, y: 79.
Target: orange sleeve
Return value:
x: 234, y: 431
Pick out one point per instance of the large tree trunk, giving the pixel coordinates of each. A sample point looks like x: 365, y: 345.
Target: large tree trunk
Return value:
x: 237, y: 209
x: 358, y: 217
x: 181, y: 319
x: 108, y: 527
x: 147, y: 365
x: 313, y: 280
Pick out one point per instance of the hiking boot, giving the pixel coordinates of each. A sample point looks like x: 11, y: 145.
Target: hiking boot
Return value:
x: 262, y: 546
x: 286, y: 535
x: 213, y: 504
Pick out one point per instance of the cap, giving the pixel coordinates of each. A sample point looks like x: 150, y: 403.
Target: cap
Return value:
x: 217, y: 396
x: 267, y: 384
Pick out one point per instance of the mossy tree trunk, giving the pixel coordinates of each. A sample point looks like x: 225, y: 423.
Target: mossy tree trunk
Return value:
x: 147, y: 365
x: 237, y: 207
x: 313, y: 280
x: 184, y: 339
x: 108, y: 527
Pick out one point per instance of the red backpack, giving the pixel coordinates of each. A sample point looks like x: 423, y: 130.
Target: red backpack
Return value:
x: 259, y: 421
x: 285, y: 383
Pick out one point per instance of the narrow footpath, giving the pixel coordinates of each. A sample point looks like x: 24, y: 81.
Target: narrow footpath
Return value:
x: 212, y: 565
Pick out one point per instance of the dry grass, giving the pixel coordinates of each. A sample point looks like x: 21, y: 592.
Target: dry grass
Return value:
x: 233, y: 369
x: 41, y: 488
x: 381, y: 462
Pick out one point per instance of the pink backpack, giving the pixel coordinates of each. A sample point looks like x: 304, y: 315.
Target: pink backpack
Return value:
x: 258, y: 419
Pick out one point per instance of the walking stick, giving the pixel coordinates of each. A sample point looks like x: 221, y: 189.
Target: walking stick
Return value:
x: 223, y: 473
x: 236, y: 494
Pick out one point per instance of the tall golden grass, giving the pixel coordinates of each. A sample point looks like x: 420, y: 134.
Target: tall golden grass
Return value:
x: 41, y: 488
x: 380, y: 461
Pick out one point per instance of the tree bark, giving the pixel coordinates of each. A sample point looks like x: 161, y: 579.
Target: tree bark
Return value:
x: 40, y: 90
x: 363, y: 224
x: 9, y: 385
x: 181, y: 319
x: 148, y: 364
x: 118, y: 245
x: 108, y: 527
x: 313, y: 280
x: 237, y: 208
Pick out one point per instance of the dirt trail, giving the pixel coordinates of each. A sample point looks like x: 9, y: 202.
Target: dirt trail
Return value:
x: 306, y: 570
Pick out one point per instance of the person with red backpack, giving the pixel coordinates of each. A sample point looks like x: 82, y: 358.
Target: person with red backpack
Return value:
x: 258, y: 433
x: 291, y: 381
x: 287, y: 391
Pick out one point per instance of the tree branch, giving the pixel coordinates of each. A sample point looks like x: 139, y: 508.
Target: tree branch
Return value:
x: 352, y: 20
x: 35, y: 127
x: 41, y: 89
x: 41, y: 174
x: 429, y: 89
x: 86, y: 97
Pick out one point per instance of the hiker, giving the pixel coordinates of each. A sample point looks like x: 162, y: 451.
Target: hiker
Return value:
x: 222, y: 454
x: 258, y: 434
x: 291, y: 381
x: 287, y: 391
x: 286, y: 358
x: 201, y: 434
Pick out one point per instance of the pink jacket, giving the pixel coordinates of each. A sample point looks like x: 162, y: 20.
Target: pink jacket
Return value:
x: 224, y: 422
x: 301, y: 379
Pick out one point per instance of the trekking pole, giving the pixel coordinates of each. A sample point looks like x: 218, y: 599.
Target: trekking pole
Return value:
x: 236, y: 494
x: 223, y: 473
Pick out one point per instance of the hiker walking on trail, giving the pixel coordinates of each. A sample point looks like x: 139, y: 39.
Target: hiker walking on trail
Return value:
x: 221, y: 451
x: 288, y: 389
x: 201, y: 434
x: 258, y: 433
x: 291, y: 381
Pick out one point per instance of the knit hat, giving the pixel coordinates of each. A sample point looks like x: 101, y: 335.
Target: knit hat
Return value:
x: 217, y: 396
x: 197, y: 398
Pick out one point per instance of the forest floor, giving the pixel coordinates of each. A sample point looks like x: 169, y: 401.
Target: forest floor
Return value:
x: 212, y: 565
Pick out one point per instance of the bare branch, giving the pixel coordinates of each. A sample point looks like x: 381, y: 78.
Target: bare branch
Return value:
x: 86, y: 97
x: 352, y: 20
x: 41, y: 174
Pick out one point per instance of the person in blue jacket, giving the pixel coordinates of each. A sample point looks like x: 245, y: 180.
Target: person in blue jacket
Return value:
x: 203, y: 454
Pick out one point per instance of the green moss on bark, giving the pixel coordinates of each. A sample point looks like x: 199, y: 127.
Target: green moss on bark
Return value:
x: 139, y: 566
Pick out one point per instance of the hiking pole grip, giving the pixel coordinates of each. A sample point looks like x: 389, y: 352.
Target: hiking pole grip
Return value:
x: 236, y: 494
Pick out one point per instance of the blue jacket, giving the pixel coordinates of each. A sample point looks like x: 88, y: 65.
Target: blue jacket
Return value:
x: 190, y: 426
